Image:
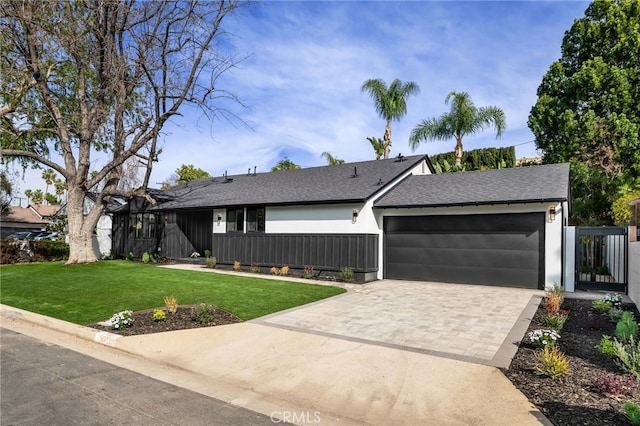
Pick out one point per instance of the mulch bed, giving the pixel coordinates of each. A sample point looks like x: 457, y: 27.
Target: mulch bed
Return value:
x: 573, y: 399
x: 143, y: 322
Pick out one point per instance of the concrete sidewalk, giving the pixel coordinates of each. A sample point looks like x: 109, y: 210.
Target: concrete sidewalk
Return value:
x: 303, y: 377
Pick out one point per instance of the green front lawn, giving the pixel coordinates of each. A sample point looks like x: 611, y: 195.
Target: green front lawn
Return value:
x: 85, y: 294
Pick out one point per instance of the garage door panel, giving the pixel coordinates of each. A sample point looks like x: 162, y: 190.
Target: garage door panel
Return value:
x: 508, y: 241
x: 505, y: 249
x: 429, y: 257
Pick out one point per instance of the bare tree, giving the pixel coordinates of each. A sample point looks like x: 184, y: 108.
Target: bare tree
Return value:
x: 104, y: 75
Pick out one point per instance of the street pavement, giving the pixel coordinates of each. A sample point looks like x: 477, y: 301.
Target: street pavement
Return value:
x: 45, y: 384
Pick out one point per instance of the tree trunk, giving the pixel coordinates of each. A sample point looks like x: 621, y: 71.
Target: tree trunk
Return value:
x: 80, y: 229
x: 458, y: 152
x: 387, y: 139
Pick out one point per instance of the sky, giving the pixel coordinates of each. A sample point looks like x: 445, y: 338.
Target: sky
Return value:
x: 305, y: 63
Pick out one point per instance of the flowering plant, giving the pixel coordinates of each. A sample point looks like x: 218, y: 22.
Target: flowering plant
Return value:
x: 195, y: 255
x: 614, y: 299
x: 543, y: 338
x: 121, y: 320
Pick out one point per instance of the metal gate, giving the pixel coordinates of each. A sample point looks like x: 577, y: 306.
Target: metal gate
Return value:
x: 601, y: 258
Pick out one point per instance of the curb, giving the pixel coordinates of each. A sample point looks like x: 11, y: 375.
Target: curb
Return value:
x: 86, y: 333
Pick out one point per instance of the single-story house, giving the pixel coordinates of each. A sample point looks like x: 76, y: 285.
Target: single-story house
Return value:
x: 33, y: 218
x: 391, y: 218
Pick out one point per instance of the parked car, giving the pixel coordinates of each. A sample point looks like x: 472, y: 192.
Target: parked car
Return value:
x: 21, y: 236
x: 46, y: 236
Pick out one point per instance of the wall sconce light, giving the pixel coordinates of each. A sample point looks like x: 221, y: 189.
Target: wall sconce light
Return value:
x: 165, y: 219
x: 354, y: 216
x: 219, y: 219
x: 552, y: 213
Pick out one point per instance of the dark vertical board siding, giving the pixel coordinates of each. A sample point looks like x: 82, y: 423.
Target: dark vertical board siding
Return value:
x: 323, y: 251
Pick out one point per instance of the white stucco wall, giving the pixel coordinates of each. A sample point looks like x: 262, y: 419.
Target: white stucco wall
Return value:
x: 634, y: 272
x: 323, y: 218
x: 103, y: 235
x: 553, y: 230
x: 570, y: 258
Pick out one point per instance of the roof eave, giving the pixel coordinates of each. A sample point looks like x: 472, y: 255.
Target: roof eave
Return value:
x: 471, y: 204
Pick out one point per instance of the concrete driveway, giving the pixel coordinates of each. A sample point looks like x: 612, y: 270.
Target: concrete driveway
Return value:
x: 479, y: 324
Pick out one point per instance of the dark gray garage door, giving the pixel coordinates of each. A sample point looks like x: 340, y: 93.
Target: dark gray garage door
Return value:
x: 488, y: 249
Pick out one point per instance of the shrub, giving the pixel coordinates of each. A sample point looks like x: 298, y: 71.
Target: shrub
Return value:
x: 627, y: 327
x: 121, y: 320
x: 9, y: 252
x: 615, y: 385
x: 307, y: 272
x: 615, y: 314
x: 255, y: 268
x: 171, y: 303
x: 274, y: 270
x: 606, y: 346
x: 284, y: 271
x: 236, y: 265
x: 632, y: 411
x: 203, y: 313
x: 552, y: 362
x: 553, y: 300
x: 159, y: 315
x: 49, y: 250
x: 130, y: 256
x: 628, y: 356
x: 346, y: 274
x: 207, y: 253
x: 557, y: 320
x: 145, y: 257
x: 601, y: 306
x: 543, y: 338
x: 211, y: 262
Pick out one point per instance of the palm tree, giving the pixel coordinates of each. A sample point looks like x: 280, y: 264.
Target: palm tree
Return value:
x: 331, y: 160
x: 29, y: 194
x: 390, y: 102
x: 49, y: 177
x: 378, y: 146
x: 462, y: 119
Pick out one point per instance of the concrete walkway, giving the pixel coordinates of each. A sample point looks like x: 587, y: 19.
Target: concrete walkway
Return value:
x: 312, y: 365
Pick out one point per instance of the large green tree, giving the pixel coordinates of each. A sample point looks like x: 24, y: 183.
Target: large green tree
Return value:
x: 390, y: 102
x: 6, y: 193
x: 285, y: 164
x: 588, y: 108
x: 104, y: 75
x: 188, y: 172
x: 463, y: 119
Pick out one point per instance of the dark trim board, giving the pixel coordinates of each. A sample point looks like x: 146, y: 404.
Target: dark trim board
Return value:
x: 488, y: 249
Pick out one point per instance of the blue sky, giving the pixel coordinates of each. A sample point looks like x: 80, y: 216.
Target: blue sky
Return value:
x: 306, y: 62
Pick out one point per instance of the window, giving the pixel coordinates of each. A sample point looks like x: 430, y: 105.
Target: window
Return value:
x: 137, y: 224
x: 255, y: 219
x: 143, y: 225
x: 235, y: 220
x: 150, y: 231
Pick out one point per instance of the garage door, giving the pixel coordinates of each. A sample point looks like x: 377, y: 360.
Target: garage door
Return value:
x: 487, y: 249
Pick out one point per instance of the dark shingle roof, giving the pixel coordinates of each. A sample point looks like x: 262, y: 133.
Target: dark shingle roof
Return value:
x: 548, y: 182
x: 314, y: 185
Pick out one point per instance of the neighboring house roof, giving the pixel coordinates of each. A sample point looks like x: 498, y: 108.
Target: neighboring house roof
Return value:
x: 34, y: 214
x: 45, y: 210
x: 313, y: 185
x: 543, y: 183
